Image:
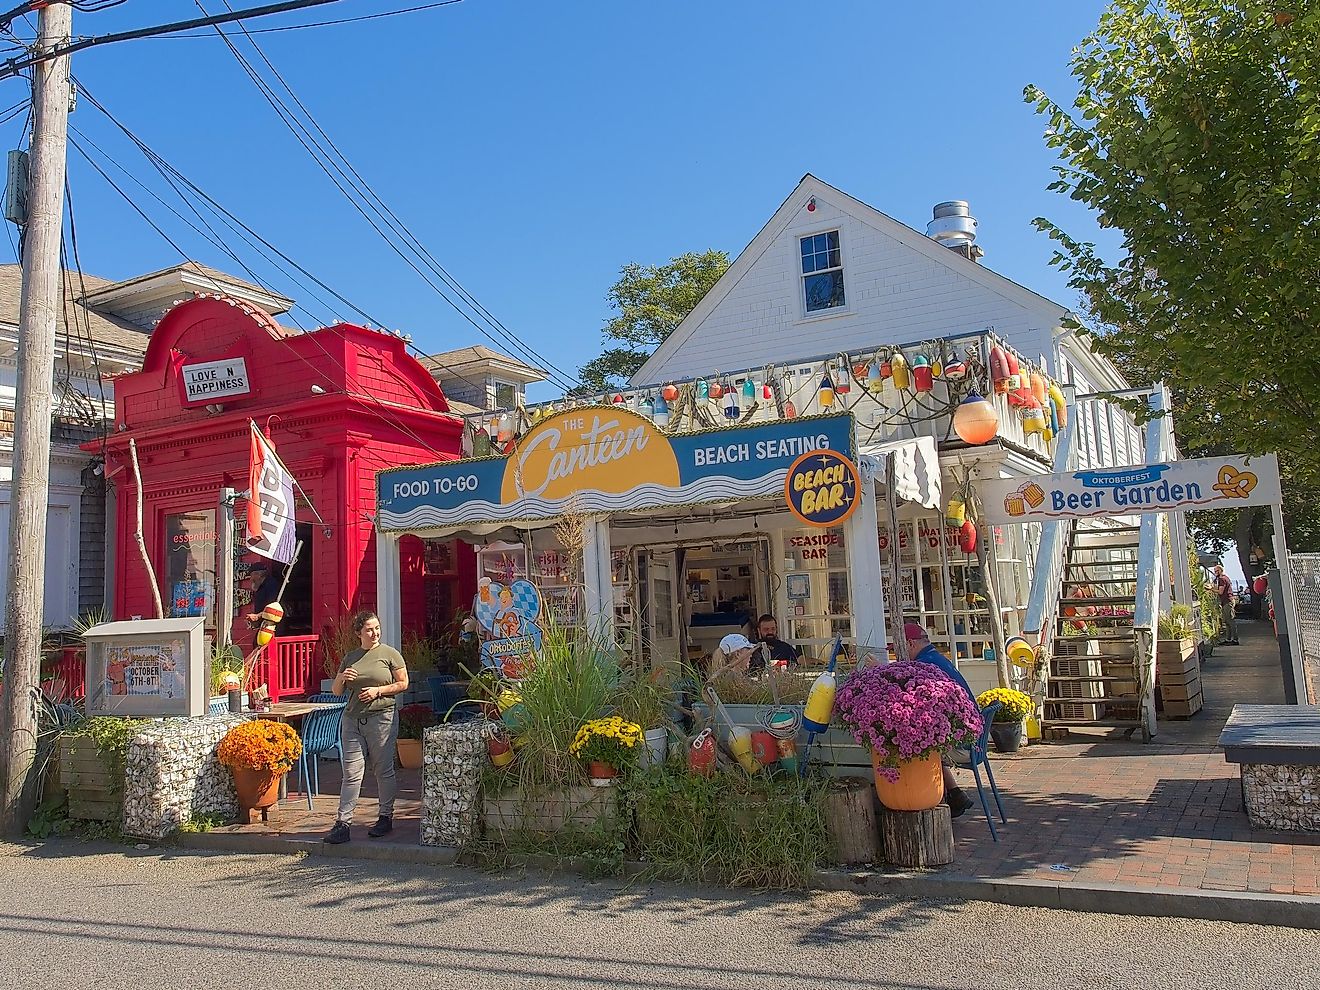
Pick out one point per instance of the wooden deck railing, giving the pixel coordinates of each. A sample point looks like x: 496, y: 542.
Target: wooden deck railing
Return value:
x: 291, y: 666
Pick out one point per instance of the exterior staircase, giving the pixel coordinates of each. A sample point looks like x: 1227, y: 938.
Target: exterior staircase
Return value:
x: 1096, y: 678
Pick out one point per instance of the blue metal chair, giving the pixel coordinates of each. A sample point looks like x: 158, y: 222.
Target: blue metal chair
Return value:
x: 320, y: 733
x: 979, y: 756
x: 217, y: 706
x: 445, y: 694
x: 330, y: 698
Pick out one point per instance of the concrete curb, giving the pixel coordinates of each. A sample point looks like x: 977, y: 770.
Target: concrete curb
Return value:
x: 1241, y: 907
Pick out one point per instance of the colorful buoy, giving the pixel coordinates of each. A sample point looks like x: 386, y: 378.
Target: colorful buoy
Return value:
x: 825, y: 395
x: 975, y: 420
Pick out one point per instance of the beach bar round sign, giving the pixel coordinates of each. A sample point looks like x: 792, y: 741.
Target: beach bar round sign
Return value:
x: 822, y: 488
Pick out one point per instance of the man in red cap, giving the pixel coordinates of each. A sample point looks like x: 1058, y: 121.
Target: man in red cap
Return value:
x: 921, y: 650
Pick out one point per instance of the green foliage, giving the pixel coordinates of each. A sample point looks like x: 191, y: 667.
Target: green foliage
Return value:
x: 225, y: 660
x: 50, y: 818
x: 203, y: 823
x: 729, y: 828
x: 1194, y: 133
x: 1176, y: 623
x: 575, y: 680
x: 652, y: 301
x: 111, y: 736
x: 414, y: 720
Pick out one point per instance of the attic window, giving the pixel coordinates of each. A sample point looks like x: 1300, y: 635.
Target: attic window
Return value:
x: 822, y: 271
x: 506, y: 396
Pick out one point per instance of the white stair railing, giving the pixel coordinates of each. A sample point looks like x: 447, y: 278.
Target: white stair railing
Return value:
x: 1052, y: 555
x: 1150, y: 569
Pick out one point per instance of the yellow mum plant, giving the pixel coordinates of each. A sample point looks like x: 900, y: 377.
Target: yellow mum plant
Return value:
x: 610, y: 740
x: 261, y: 744
x: 1014, y: 705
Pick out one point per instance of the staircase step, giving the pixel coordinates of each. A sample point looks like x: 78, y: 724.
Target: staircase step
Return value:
x: 1125, y: 545
x: 1096, y: 723
x: 1086, y: 531
x: 1087, y: 582
x: 1099, y: 600
x: 1098, y: 679
x: 1111, y: 699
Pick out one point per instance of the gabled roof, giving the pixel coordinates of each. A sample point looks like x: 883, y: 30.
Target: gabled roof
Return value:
x: 189, y: 276
x: 783, y: 217
x: 104, y: 327
x: 461, y: 359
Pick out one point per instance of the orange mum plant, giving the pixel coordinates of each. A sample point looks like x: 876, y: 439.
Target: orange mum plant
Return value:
x: 261, y: 744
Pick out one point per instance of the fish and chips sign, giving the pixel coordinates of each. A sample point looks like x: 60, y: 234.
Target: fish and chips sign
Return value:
x: 606, y: 459
x: 1180, y: 486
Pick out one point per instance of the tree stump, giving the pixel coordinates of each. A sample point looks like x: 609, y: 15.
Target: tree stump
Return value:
x: 918, y: 838
x: 850, y: 817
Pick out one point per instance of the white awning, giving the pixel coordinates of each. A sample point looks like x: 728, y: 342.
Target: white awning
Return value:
x: 916, y: 468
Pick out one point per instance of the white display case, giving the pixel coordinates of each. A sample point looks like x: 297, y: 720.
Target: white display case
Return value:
x: 147, y: 667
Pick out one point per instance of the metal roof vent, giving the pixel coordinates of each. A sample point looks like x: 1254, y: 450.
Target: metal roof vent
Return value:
x: 953, y: 226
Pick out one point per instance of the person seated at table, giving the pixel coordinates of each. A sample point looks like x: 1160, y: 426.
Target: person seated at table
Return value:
x: 922, y: 650
x: 781, y: 654
x: 733, y: 655
x: 371, y: 676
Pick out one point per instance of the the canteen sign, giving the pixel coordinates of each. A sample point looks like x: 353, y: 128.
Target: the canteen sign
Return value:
x: 1206, y: 483
x: 609, y: 459
x: 822, y: 488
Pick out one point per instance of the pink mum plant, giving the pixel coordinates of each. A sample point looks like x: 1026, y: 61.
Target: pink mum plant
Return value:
x: 906, y: 711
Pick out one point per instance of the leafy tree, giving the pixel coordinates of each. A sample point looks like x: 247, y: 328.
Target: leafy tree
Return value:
x: 1194, y: 133
x: 652, y: 301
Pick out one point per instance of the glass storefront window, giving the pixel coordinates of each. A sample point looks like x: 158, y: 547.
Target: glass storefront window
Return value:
x: 190, y: 565
x: 816, y: 590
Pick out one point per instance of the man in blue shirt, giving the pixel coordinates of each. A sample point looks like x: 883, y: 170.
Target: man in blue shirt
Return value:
x: 921, y: 650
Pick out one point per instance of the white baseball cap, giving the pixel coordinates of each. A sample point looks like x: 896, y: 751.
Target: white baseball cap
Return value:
x: 734, y: 642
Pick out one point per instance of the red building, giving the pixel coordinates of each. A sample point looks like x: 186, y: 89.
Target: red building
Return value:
x: 338, y: 404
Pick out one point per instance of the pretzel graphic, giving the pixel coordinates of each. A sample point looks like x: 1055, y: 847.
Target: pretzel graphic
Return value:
x: 1234, y: 483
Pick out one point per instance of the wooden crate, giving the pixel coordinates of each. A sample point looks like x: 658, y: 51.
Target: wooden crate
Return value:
x: 94, y: 793
x: 1180, y: 692
x: 1176, y: 656
x: 573, y: 807
x: 1182, y: 709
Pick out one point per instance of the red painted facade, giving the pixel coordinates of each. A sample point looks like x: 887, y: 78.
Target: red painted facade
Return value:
x: 373, y: 406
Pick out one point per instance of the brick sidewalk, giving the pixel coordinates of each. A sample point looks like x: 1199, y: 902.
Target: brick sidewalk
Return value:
x: 1160, y: 817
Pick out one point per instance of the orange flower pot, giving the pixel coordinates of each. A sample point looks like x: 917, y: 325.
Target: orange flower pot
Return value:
x: 256, y: 788
x: 602, y: 774
x: 920, y: 784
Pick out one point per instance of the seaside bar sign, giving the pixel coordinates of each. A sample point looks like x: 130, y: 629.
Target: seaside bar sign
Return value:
x: 604, y: 459
x: 1206, y: 483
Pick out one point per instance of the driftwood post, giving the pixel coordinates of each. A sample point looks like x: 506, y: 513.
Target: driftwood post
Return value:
x: 918, y: 838
x: 850, y: 817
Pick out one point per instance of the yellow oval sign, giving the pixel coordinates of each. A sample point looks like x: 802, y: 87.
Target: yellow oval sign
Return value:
x: 599, y: 448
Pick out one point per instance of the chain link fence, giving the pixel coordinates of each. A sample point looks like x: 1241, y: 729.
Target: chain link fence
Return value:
x: 1306, y: 582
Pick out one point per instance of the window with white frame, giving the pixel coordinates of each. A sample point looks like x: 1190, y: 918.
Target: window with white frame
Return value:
x: 822, y: 272
x: 506, y: 396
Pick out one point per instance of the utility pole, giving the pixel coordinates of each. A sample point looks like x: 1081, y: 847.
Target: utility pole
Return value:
x: 31, y: 476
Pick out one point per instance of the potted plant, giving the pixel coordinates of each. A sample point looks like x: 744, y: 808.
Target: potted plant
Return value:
x: 259, y: 753
x: 608, y: 746
x: 1007, y: 728
x: 414, y: 720
x: 907, y: 714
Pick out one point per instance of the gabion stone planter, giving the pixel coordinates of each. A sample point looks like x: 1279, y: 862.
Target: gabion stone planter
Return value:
x: 172, y: 775
x: 452, y: 757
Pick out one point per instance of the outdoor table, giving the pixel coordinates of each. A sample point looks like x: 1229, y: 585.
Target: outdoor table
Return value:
x: 1278, y: 750
x: 285, y: 711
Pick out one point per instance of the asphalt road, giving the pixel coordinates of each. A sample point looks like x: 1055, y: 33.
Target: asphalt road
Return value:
x: 79, y: 916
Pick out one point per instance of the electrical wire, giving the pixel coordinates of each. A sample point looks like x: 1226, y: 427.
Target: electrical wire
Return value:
x: 247, y: 233
x: 340, y: 164
x: 318, y: 24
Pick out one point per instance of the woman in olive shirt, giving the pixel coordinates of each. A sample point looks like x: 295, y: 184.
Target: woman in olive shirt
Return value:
x: 371, y: 676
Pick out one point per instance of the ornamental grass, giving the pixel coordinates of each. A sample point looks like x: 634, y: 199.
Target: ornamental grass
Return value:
x: 260, y: 744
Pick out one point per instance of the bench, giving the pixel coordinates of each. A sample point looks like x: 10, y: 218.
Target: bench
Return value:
x: 1278, y: 749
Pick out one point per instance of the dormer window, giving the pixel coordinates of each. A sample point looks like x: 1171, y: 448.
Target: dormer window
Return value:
x: 822, y: 272
x: 506, y: 396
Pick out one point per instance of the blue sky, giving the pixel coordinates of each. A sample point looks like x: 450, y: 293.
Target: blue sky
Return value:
x: 536, y: 148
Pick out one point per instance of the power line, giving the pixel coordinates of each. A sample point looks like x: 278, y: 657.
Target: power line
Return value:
x: 372, y: 200
x: 318, y: 24
x: 14, y: 65
x: 244, y: 231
